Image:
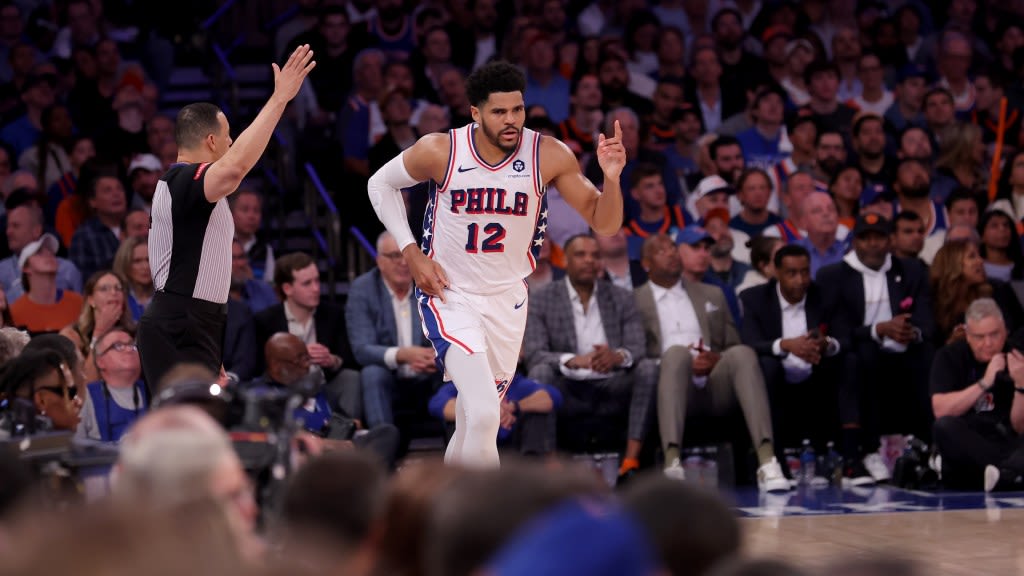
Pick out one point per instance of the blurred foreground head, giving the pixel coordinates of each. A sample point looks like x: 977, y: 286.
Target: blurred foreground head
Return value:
x: 176, y: 455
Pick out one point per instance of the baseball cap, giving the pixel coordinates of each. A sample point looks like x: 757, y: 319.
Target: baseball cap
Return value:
x: 794, y: 44
x: 773, y: 32
x: 911, y: 70
x: 145, y: 162
x: 870, y: 223
x: 578, y: 537
x: 48, y: 240
x: 693, y: 234
x: 710, y: 185
x: 720, y: 213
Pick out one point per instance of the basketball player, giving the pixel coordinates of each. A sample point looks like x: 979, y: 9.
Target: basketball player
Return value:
x: 482, y: 230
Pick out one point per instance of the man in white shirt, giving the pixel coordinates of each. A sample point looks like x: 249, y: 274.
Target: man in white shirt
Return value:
x: 584, y: 337
x: 786, y: 324
x: 690, y: 329
x: 384, y: 329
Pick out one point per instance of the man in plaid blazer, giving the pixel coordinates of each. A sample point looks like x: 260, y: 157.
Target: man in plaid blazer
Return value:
x: 584, y: 336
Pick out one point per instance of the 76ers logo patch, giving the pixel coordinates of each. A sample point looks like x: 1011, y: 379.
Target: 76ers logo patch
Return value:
x: 502, y: 386
x: 519, y: 165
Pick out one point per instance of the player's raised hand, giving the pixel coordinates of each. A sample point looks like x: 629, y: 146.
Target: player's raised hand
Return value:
x: 611, y: 154
x: 426, y: 273
x: 288, y: 78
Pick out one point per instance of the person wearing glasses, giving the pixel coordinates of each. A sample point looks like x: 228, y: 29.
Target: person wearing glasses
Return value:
x: 120, y: 397
x: 387, y: 340
x: 37, y: 395
x: 105, y: 307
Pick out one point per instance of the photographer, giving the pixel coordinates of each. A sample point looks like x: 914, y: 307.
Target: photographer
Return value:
x: 288, y: 367
x: 977, y: 387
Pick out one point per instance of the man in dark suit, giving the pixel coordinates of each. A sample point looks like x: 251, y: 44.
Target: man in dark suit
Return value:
x: 387, y: 340
x: 882, y: 316
x: 584, y: 337
x: 785, y: 324
x: 320, y: 326
x: 703, y: 365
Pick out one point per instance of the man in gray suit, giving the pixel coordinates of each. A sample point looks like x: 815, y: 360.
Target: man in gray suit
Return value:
x: 386, y: 337
x: 584, y: 337
x: 689, y: 327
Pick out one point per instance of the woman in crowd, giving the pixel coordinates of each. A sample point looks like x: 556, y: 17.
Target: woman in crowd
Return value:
x: 1000, y: 246
x: 36, y: 380
x: 105, y: 306
x: 957, y: 278
x: 961, y: 162
x: 846, y: 188
x: 132, y: 263
x: 762, y: 255
x: 1010, y: 193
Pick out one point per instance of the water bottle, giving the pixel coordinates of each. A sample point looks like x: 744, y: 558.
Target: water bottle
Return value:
x: 834, y: 465
x: 807, y: 464
x: 709, y: 468
x: 692, y: 465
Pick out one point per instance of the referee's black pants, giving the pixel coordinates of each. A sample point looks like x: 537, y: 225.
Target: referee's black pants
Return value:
x: 180, y: 329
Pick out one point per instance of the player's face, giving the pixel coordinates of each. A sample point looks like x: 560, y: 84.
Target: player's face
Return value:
x: 501, y: 119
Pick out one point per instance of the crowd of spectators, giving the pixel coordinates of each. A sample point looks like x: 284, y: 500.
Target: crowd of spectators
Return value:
x: 822, y: 241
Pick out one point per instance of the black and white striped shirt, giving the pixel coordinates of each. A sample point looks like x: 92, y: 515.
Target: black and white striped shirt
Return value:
x: 190, y: 237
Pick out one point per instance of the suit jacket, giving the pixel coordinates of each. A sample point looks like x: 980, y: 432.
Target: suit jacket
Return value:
x: 551, y: 329
x: 370, y: 319
x: 330, y: 330
x: 239, y: 341
x: 842, y: 290
x: 716, y: 322
x: 762, y: 325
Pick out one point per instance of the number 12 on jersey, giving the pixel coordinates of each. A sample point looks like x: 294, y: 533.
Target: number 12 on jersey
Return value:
x: 492, y: 243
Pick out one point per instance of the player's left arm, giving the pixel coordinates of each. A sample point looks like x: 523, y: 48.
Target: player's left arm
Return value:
x: 602, y: 210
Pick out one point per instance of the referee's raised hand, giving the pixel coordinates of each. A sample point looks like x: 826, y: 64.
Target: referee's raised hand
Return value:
x: 288, y: 78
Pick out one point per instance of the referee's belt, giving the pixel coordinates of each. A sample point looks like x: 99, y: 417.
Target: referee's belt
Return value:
x: 204, y: 306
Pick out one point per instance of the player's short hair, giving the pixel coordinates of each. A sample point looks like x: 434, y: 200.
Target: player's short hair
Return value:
x: 194, y: 123
x: 497, y: 76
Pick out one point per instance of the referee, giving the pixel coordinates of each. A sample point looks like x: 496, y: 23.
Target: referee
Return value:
x: 192, y: 228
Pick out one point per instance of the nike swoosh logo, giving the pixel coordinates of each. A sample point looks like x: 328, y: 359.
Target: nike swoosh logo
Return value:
x: 520, y: 305
x: 461, y: 169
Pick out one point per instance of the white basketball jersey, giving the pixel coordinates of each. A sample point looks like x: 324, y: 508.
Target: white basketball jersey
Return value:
x: 485, y: 223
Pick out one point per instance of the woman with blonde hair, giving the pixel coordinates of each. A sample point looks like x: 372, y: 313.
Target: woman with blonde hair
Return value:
x: 104, y: 306
x: 131, y: 262
x: 957, y: 278
x: 961, y: 162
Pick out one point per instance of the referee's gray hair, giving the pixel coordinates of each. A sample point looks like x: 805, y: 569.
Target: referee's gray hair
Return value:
x: 983, y: 308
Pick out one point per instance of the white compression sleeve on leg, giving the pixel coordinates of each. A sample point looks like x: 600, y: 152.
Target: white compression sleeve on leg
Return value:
x: 454, y: 451
x: 385, y: 191
x: 480, y: 408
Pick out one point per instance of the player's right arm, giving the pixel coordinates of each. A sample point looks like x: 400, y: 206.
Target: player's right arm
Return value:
x: 427, y: 159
